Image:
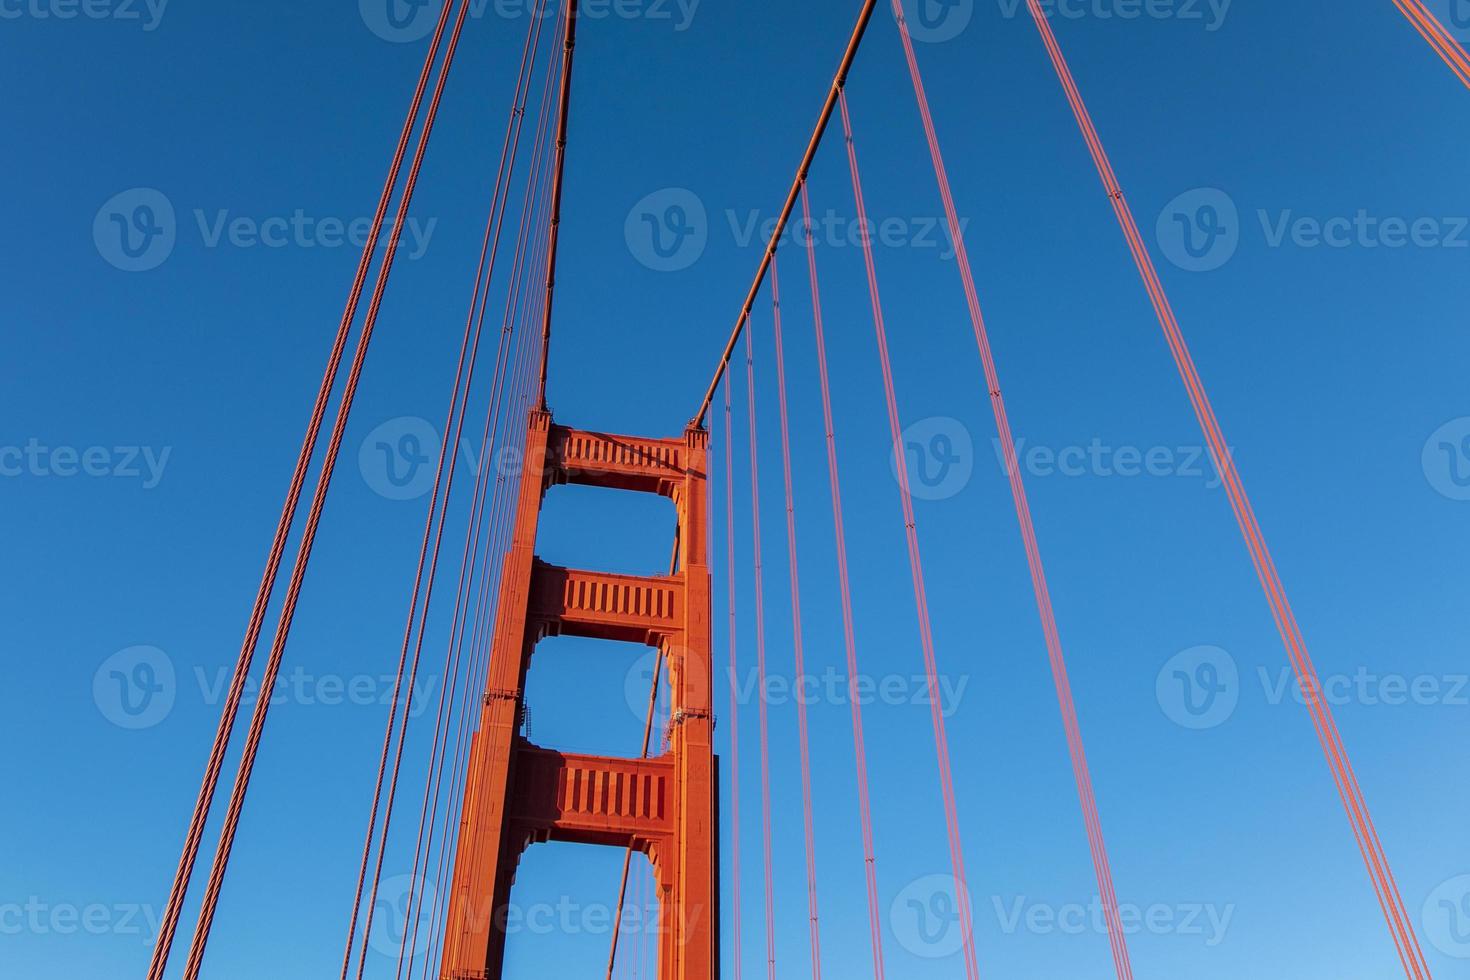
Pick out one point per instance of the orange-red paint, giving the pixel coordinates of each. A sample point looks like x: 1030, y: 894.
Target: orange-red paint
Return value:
x: 518, y: 794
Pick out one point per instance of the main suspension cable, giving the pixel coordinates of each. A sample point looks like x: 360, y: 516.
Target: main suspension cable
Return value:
x: 859, y: 31
x: 559, y: 170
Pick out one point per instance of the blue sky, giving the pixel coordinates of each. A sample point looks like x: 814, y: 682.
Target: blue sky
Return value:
x: 1299, y: 169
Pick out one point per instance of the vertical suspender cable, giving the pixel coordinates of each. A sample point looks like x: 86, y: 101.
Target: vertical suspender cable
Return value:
x: 1396, y: 915
x: 318, y: 504
x: 801, y: 719
x: 169, y: 927
x: 916, y: 567
x: 849, y: 633
x: 1080, y: 770
x: 760, y: 658
x: 734, y: 671
x: 483, y: 280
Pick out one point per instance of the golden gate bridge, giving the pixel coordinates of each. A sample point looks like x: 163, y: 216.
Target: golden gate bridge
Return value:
x: 490, y: 792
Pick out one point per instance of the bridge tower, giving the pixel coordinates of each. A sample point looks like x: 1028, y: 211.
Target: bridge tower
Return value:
x: 518, y: 794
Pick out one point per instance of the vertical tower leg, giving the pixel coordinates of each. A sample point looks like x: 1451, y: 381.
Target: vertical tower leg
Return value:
x: 517, y: 793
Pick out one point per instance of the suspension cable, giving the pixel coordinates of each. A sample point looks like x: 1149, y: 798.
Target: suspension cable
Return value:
x: 865, y: 16
x: 1396, y: 914
x: 798, y: 653
x: 484, y: 276
x: 257, y: 726
x: 1439, y: 38
x: 734, y: 668
x: 760, y: 656
x: 168, y: 929
x: 559, y: 170
x: 916, y: 565
x: 518, y: 310
x: 849, y: 633
x: 1080, y: 770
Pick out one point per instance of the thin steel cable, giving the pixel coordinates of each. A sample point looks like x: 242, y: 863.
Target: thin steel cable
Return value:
x: 798, y: 652
x: 168, y: 928
x: 916, y: 567
x: 849, y: 632
x: 1386, y: 890
x: 760, y: 657
x: 210, y: 903
x: 1081, y: 772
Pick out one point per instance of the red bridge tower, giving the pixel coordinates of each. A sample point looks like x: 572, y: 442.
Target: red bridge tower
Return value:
x: 518, y: 794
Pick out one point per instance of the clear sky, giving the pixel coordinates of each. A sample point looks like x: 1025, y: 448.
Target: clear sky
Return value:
x: 1299, y: 170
